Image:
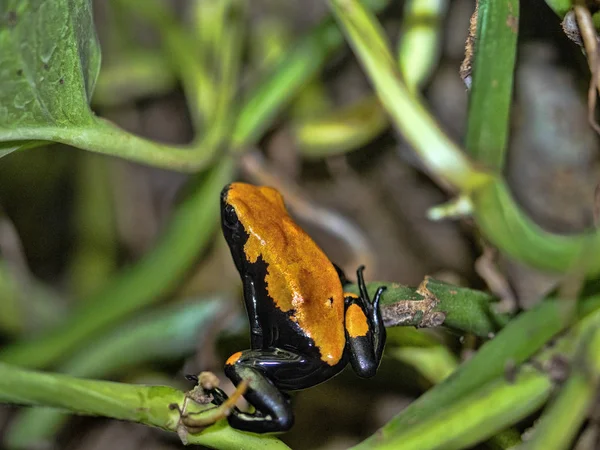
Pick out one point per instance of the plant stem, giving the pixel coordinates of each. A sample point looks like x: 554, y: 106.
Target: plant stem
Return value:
x: 522, y: 338
x: 491, y: 92
x: 436, y: 303
x: 149, y: 405
x: 466, y: 422
x: 564, y: 417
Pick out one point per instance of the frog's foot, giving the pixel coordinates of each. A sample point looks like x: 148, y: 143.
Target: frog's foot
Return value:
x: 371, y: 308
x: 219, y: 397
x: 194, y: 422
x: 205, y: 383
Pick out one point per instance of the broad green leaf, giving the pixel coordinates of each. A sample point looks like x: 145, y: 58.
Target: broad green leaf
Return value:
x: 50, y: 61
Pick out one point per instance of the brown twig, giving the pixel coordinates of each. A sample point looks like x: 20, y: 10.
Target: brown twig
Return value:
x: 590, y: 43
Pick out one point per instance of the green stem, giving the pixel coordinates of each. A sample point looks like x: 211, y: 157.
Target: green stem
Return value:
x: 149, y: 405
x: 167, y: 334
x: 503, y: 222
x: 491, y: 92
x: 104, y: 137
x: 439, y: 154
x: 515, y: 344
x: 420, y: 42
x: 435, y: 303
x: 466, y: 422
x: 564, y: 417
x: 499, y: 218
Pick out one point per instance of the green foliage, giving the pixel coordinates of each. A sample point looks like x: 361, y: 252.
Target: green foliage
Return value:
x: 144, y: 283
x: 48, y: 70
x: 491, y: 91
x: 144, y: 404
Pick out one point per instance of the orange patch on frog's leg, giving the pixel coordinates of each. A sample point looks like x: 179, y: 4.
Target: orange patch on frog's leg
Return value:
x: 350, y: 294
x: 233, y: 358
x: 356, y: 321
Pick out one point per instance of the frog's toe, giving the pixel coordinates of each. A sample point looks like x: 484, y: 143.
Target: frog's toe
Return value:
x: 218, y: 395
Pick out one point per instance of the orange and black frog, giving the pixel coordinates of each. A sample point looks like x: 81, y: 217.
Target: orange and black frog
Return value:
x: 304, y: 328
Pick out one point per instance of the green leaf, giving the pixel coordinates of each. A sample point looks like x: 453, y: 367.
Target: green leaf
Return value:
x: 475, y: 416
x: 408, y: 113
x: 517, y: 342
x: 167, y: 334
x: 491, y: 92
x: 342, y: 130
x: 9, y: 147
x: 50, y: 61
x: 563, y: 418
x: 48, y: 70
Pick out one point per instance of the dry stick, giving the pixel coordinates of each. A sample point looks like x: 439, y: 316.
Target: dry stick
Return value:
x: 466, y: 67
x: 590, y: 42
x: 573, y: 283
x: 487, y: 269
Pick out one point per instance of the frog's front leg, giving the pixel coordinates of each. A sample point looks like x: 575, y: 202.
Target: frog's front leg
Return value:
x: 266, y: 372
x: 251, y: 301
x: 365, y: 332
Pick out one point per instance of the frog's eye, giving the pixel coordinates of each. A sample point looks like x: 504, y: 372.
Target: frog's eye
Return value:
x: 229, y: 216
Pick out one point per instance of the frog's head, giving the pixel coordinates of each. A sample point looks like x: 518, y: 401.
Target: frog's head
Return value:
x: 233, y: 229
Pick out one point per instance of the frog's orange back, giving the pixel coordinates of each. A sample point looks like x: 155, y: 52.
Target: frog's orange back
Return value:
x: 300, y: 278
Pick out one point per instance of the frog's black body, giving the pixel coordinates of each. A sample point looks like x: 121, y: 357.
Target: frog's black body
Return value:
x: 283, y: 356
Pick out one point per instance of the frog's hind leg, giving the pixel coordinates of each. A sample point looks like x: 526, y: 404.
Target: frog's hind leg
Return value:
x: 266, y: 371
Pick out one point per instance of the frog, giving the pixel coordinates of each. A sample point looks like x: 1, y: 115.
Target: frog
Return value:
x: 304, y: 328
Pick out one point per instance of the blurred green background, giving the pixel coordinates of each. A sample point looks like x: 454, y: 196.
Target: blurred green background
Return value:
x: 112, y: 265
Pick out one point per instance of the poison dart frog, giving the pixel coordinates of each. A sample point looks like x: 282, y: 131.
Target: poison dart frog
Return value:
x: 304, y: 327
